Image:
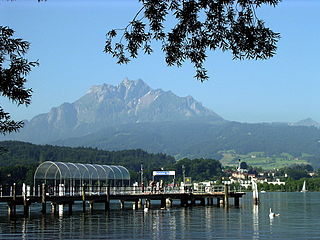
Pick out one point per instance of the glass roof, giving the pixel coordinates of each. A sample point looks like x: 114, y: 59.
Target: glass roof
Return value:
x: 78, y: 171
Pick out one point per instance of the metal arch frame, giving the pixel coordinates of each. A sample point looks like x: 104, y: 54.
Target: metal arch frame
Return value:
x: 82, y: 169
x: 67, y: 168
x: 70, y: 179
x: 114, y: 175
x: 123, y: 168
x: 91, y: 165
x: 76, y: 166
x: 106, y: 175
x: 120, y: 173
x: 84, y: 165
x: 73, y: 177
x: 45, y: 175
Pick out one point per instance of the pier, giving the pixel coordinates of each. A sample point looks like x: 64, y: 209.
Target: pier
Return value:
x: 60, y: 183
x: 218, y: 195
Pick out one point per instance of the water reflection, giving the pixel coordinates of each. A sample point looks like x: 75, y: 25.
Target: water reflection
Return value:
x: 298, y: 220
x: 24, y: 229
x: 255, y: 216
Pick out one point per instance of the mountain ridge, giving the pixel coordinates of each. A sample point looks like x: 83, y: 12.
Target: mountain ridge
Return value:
x: 108, y: 105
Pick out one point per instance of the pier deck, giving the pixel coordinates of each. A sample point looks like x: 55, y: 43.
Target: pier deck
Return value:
x: 137, y: 197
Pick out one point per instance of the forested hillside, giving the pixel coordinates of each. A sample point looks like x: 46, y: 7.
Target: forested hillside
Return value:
x: 200, y: 139
x: 19, y: 160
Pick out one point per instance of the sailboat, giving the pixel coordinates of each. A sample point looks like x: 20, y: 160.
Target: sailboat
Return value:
x: 304, y: 189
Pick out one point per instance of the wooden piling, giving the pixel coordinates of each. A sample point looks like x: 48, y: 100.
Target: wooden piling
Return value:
x: 169, y: 202
x: 83, y: 194
x: 183, y: 202
x: 121, y: 204
x: 218, y: 202
x: 107, y: 202
x: 70, y: 207
x: 147, y: 203
x: 236, y: 201
x: 25, y: 201
x: 54, y: 207
x: 14, y: 193
x: 226, y: 195
x: 91, y: 203
x: 136, y: 204
x: 163, y: 202
x: 43, y: 198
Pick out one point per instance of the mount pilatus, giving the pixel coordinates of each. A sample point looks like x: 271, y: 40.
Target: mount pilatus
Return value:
x: 106, y: 105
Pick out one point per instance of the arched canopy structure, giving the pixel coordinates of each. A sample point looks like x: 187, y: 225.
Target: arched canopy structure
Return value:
x: 77, y: 174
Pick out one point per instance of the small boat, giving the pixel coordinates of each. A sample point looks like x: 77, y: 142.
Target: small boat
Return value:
x: 304, y: 189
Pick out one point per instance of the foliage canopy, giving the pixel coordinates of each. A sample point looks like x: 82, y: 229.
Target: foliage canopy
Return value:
x: 13, y: 71
x: 229, y: 25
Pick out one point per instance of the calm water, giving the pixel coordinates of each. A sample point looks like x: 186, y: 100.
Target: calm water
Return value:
x: 299, y: 219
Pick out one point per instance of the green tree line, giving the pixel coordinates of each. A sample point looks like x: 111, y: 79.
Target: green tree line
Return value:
x: 20, y: 160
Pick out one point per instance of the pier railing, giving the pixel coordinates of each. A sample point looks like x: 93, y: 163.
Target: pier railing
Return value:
x: 59, y: 195
x: 36, y: 191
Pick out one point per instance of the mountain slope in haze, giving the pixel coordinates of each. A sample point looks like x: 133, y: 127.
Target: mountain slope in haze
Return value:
x: 201, y: 139
x: 308, y: 122
x: 106, y: 105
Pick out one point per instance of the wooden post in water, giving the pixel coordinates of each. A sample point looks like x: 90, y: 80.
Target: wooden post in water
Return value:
x: 255, y: 193
x: 14, y: 198
x: 121, y: 204
x: 236, y: 201
x: 147, y: 203
x: 136, y: 204
x: 226, y: 195
x: 43, y: 198
x: 163, y: 202
x: 70, y: 207
x: 218, y: 202
x: 169, y: 202
x: 91, y: 203
x: 107, y: 202
x: 12, y: 203
x: 183, y: 202
x: 83, y: 193
x: 25, y: 201
x: 54, y: 207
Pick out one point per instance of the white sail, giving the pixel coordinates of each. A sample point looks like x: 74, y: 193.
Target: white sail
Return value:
x: 304, y: 189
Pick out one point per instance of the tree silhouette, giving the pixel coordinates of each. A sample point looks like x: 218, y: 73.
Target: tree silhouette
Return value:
x: 13, y: 71
x: 201, y: 25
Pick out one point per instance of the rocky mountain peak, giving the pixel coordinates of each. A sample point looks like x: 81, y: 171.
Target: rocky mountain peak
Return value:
x: 108, y: 105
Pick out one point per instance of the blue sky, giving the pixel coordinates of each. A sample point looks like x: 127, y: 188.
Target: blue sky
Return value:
x: 68, y: 39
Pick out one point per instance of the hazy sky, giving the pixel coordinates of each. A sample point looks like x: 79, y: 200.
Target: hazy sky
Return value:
x: 68, y: 39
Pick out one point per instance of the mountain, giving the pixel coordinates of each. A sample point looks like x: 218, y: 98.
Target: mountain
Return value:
x: 208, y: 139
x: 132, y: 115
x: 308, y: 122
x: 106, y: 106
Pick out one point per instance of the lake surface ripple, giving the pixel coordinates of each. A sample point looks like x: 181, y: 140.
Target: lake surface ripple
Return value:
x: 299, y: 219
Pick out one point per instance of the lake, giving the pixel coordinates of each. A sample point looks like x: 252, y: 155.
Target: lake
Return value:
x: 299, y: 219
